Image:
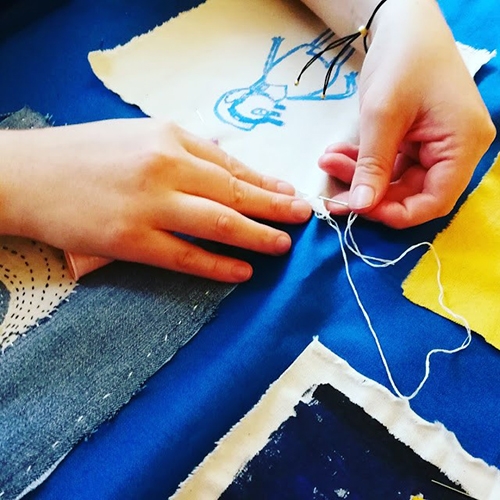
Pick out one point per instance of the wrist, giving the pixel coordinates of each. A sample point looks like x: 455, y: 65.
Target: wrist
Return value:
x: 409, y: 18
x: 15, y: 168
x: 7, y: 175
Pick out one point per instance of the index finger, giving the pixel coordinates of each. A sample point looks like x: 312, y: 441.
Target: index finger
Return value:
x: 208, y: 150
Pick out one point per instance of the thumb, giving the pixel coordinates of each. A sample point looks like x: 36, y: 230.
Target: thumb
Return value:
x: 381, y: 133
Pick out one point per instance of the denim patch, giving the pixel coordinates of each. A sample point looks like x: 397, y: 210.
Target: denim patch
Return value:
x: 78, y: 368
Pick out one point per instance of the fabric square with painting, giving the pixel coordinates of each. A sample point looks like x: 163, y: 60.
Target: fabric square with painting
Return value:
x: 324, y: 431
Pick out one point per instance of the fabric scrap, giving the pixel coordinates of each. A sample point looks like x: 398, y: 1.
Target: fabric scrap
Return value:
x: 79, y: 367
x: 469, y: 253
x: 315, y: 367
x: 248, y: 55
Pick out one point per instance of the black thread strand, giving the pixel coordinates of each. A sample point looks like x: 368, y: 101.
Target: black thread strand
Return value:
x: 346, y: 42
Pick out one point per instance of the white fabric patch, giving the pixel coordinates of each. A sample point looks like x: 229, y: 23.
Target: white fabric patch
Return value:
x: 227, y: 69
x: 318, y: 365
x: 37, y: 281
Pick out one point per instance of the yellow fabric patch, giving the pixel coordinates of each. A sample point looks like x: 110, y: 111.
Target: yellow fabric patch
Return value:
x: 469, y: 250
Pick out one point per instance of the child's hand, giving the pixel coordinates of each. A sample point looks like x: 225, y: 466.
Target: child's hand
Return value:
x: 122, y: 188
x: 423, y: 124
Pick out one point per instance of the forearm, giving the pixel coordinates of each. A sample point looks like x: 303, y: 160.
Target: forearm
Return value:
x: 343, y: 16
x: 13, y: 150
x: 346, y: 16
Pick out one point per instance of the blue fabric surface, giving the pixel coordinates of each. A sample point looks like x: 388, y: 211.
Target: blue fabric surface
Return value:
x: 168, y: 428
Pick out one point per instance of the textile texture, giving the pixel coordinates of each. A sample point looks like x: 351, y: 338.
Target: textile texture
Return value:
x: 320, y: 428
x: 469, y: 249
x: 80, y: 367
x: 160, y: 436
x: 81, y: 364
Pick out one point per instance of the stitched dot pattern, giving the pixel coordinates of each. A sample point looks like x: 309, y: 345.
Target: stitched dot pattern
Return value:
x: 37, y: 280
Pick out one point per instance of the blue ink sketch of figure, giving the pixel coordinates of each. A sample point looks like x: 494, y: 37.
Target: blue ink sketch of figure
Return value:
x: 265, y: 100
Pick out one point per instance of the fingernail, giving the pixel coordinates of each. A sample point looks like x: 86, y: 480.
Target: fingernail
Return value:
x: 361, y: 197
x: 241, y: 272
x: 283, y: 244
x: 301, y: 209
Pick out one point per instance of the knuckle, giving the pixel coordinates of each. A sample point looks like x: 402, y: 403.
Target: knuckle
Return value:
x: 444, y: 209
x: 372, y: 166
x: 481, y: 127
x: 213, y: 267
x: 224, y: 225
x: 186, y: 260
x: 237, y: 192
x: 489, y: 131
x: 276, y: 205
x: 234, y: 167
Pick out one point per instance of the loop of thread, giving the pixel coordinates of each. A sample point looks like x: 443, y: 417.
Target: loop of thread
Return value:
x: 347, y: 241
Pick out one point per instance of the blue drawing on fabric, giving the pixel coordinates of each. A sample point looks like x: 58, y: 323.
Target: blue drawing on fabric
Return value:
x: 265, y: 100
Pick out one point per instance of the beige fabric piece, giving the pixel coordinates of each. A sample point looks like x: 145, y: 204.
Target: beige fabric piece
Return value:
x: 181, y: 69
x: 38, y: 281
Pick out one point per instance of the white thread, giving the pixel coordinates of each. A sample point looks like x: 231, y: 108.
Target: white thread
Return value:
x: 166, y: 338
x: 376, y: 262
x: 130, y: 374
x: 149, y: 355
x: 195, y: 307
x: 107, y: 396
x: 28, y: 469
x: 80, y: 418
x: 55, y: 445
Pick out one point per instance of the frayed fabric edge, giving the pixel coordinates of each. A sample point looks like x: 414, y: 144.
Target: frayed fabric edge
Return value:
x: 318, y: 365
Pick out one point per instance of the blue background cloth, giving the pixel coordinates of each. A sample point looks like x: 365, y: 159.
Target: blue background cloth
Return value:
x: 167, y: 429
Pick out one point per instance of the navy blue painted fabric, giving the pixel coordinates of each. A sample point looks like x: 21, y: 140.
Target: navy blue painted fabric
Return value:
x: 330, y: 449
x: 169, y: 427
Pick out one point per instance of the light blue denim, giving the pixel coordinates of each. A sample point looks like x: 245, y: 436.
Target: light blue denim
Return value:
x: 78, y: 368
